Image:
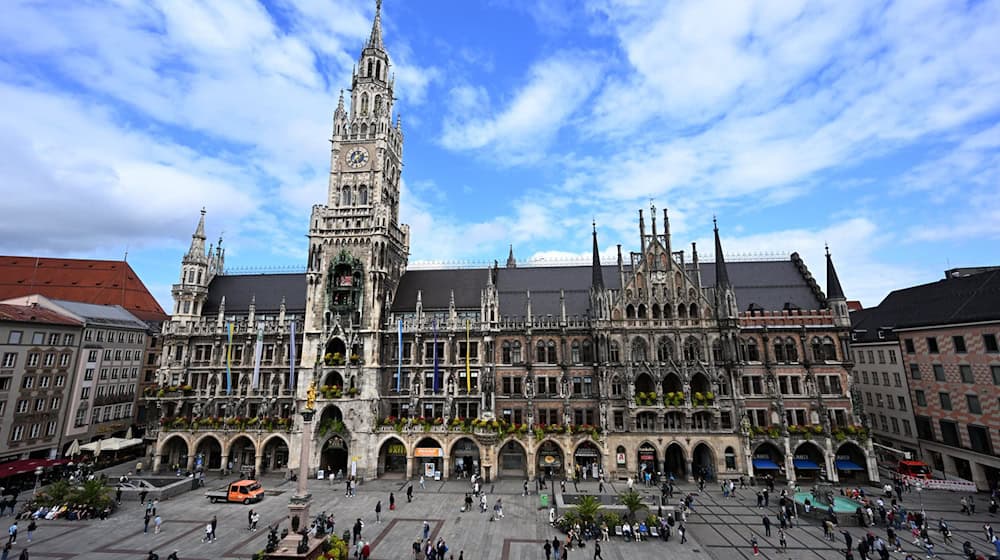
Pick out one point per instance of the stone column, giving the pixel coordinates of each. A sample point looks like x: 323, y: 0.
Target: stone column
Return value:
x: 298, y: 505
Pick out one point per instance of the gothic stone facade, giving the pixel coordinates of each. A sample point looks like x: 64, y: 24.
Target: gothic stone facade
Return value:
x: 647, y: 364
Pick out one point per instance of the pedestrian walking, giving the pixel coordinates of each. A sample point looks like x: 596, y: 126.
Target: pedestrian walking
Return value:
x: 682, y: 531
x: 6, y: 551
x: 392, y: 502
x: 145, y: 522
x: 118, y: 496
x: 215, y: 522
x: 427, y: 530
x: 753, y: 543
x: 600, y: 486
x: 525, y: 491
x: 208, y: 533
x: 254, y: 521
x: 422, y: 487
x: 249, y: 519
x: 548, y: 550
x: 24, y: 554
x: 767, y: 525
x: 157, y: 522
x: 409, y: 493
x: 358, y: 525
x: 556, y: 552
x: 782, y: 542
x: 597, y: 550
x: 142, y: 496
x: 32, y: 526
x: 378, y: 512
x: 12, y: 534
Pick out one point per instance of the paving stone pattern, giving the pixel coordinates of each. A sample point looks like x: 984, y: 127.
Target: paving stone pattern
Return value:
x: 719, y: 528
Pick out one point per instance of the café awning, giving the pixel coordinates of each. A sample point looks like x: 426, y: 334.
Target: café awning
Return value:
x: 22, y: 466
x: 111, y: 444
x: 805, y: 465
x: 765, y: 464
x: 845, y: 465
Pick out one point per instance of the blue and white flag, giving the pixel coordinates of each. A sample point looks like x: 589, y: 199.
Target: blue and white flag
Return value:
x: 257, y: 353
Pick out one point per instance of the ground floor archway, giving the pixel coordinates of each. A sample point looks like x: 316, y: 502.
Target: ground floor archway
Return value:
x: 174, y: 453
x: 551, y: 461
x: 465, y: 458
x: 768, y: 460
x: 242, y: 454
x: 675, y: 461
x: 588, y: 461
x: 808, y: 461
x: 334, y: 454
x: 513, y: 460
x: 428, y: 458
x: 703, y: 462
x: 208, y: 453
x: 392, y: 458
x: 275, y: 455
x: 647, y: 461
x: 851, y: 462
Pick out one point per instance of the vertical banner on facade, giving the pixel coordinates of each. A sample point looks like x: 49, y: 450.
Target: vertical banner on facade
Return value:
x: 468, y: 372
x: 258, y: 350
x: 435, y: 353
x: 291, y: 360
x: 399, y: 358
x: 229, y: 359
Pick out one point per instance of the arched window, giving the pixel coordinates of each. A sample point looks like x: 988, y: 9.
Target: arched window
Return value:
x: 363, y: 195
x: 552, y: 352
x: 791, y: 351
x: 378, y: 69
x: 616, y: 386
x: 668, y: 311
x: 829, y: 349
x: 614, y: 352
x: 369, y: 68
x: 752, y: 353
x: 694, y: 311
x: 364, y: 105
x: 629, y: 311
x: 378, y: 104
x: 638, y: 350
x: 588, y: 351
x: 642, y: 311
x: 665, y: 350
x: 199, y: 277
x: 692, y: 349
x: 779, y: 350
x: 505, y: 352
x: 345, y: 197
x: 364, y: 130
x: 682, y: 311
x: 540, y: 352
x: 575, y: 352
x: 717, y: 351
x: 655, y: 311
x: 515, y: 352
x: 817, y: 350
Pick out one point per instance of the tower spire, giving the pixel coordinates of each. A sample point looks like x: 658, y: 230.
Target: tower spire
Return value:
x: 833, y: 289
x: 198, y: 238
x: 511, y: 261
x: 721, y: 273
x: 597, y: 282
x: 375, y: 40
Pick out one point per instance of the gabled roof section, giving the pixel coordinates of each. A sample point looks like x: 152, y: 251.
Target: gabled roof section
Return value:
x: 867, y: 324
x: 266, y: 290
x: 84, y: 280
x: 966, y: 299
x: 767, y: 285
x: 35, y: 314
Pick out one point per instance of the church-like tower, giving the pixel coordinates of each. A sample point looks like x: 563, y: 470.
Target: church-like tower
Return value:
x: 198, y: 268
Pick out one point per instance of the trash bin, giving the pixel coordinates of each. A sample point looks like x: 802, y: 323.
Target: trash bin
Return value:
x: 543, y: 499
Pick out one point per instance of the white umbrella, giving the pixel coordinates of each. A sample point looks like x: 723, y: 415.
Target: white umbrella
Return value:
x: 97, y: 448
x: 74, y: 448
x: 128, y: 435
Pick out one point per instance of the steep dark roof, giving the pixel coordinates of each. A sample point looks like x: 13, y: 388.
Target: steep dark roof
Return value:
x: 770, y: 285
x: 866, y: 325
x: 268, y: 289
x: 955, y: 300
x: 833, y: 289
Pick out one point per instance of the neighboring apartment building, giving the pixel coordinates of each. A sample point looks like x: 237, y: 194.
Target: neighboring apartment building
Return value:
x: 104, y: 390
x: 102, y: 282
x: 948, y: 332
x: 38, y: 352
x: 880, y: 382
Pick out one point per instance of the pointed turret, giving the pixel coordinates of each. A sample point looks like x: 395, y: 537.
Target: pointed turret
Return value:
x: 197, y: 249
x: 597, y: 280
x: 511, y: 261
x: 642, y: 234
x: 666, y: 234
x: 375, y: 40
x: 833, y: 289
x: 721, y: 272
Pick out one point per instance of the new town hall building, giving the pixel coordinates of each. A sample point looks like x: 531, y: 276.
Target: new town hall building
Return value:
x: 660, y: 362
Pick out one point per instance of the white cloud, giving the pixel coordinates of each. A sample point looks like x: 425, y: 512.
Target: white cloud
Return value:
x: 523, y: 129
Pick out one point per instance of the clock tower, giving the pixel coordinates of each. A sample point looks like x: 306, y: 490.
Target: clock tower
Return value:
x: 357, y: 247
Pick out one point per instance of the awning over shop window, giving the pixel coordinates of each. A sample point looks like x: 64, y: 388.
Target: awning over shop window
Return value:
x: 22, y: 466
x: 587, y: 452
x: 844, y: 465
x: 805, y: 465
x: 765, y: 464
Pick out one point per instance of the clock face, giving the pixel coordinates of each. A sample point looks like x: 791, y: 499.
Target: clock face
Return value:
x: 358, y: 157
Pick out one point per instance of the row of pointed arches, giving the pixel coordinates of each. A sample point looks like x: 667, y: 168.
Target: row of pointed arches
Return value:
x: 654, y: 311
x: 786, y: 349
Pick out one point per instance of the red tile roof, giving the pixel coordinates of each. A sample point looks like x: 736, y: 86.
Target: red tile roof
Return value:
x: 87, y: 281
x: 34, y: 314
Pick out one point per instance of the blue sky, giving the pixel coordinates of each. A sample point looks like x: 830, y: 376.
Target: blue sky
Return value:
x: 873, y: 126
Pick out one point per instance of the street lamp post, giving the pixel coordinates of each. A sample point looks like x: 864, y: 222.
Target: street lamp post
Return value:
x: 919, y: 488
x: 38, y: 479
